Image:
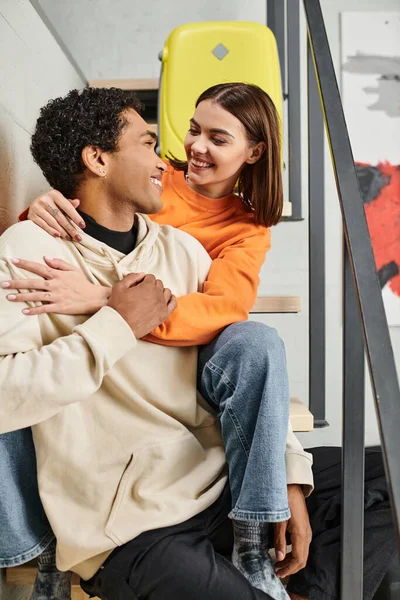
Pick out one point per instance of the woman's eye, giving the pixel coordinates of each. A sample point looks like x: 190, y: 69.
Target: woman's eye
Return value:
x: 218, y: 141
x: 193, y: 132
x: 150, y: 143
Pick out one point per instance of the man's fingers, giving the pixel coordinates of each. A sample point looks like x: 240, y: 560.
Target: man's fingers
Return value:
x: 287, y: 567
x: 172, y: 305
x: 281, y: 564
x: 167, y: 295
x: 132, y: 279
x: 280, y: 540
x: 149, y: 278
x: 301, y: 546
x: 293, y: 567
x: 292, y: 563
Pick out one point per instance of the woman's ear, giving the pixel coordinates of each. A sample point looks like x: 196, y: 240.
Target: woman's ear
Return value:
x: 95, y: 160
x: 256, y: 153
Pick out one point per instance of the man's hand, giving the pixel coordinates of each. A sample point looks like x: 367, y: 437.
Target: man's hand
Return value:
x: 300, y: 532
x: 142, y: 301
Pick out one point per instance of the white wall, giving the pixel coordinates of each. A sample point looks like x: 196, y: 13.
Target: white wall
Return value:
x: 33, y: 69
x: 122, y: 40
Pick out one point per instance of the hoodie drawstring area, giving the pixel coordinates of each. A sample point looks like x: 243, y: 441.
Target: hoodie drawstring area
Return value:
x: 113, y: 260
x: 120, y: 272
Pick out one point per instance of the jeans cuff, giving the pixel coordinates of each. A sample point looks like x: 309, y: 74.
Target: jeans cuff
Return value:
x: 260, y: 516
x: 25, y: 557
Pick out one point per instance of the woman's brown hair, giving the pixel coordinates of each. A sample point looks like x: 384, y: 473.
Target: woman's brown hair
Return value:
x: 260, y: 184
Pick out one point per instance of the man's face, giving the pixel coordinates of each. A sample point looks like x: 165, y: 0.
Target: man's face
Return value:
x: 134, y: 171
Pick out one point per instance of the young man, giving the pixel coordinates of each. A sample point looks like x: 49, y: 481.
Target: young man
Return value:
x: 131, y: 465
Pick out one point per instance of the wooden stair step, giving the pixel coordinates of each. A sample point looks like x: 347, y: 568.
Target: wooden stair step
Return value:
x: 277, y: 304
x: 300, y: 417
x: 134, y: 85
x: 24, y: 575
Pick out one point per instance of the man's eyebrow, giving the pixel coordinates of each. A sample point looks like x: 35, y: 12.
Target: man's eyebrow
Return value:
x: 151, y: 133
x: 214, y: 130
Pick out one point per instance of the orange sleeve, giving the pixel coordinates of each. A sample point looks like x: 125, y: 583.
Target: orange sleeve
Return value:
x: 24, y: 215
x: 228, y: 295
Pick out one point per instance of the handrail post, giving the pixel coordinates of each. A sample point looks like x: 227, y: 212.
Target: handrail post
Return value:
x: 316, y: 248
x: 352, y: 523
x: 294, y: 106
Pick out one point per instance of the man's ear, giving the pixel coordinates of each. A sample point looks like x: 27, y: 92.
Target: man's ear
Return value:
x: 95, y: 160
x: 256, y: 153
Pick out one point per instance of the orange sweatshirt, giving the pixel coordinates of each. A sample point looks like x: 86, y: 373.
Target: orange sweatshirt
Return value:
x: 237, y: 246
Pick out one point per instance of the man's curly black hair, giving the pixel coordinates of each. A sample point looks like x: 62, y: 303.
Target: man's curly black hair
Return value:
x: 92, y: 116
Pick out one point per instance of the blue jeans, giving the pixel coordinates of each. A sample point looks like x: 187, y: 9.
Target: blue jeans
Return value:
x: 25, y: 531
x: 243, y: 376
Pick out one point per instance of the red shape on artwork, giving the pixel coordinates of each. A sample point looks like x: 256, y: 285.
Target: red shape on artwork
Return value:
x: 383, y: 218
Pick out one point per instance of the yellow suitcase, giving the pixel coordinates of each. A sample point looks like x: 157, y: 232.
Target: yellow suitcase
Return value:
x: 199, y: 55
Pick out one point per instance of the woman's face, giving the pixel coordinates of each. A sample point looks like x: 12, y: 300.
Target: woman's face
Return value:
x: 217, y: 149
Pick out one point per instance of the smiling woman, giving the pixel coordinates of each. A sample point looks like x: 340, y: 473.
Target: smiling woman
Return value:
x: 245, y: 148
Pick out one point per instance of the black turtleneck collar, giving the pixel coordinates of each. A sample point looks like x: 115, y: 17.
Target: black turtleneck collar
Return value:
x: 123, y: 241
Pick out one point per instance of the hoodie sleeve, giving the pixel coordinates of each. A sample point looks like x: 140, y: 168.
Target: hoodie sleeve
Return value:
x: 298, y: 464
x: 228, y: 295
x: 38, y: 379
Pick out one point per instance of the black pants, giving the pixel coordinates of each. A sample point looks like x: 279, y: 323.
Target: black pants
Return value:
x: 189, y: 561
x: 320, y: 579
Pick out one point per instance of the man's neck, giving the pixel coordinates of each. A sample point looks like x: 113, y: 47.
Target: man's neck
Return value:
x: 116, y: 216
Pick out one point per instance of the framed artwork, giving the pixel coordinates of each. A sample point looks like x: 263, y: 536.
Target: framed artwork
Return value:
x: 370, y: 52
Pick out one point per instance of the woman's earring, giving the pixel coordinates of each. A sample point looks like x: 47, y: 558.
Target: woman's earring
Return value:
x: 102, y: 171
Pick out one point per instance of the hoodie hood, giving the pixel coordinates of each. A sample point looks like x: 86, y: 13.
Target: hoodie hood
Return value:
x: 100, y: 255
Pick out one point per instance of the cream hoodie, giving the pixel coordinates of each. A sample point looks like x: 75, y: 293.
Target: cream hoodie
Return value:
x: 123, y: 442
